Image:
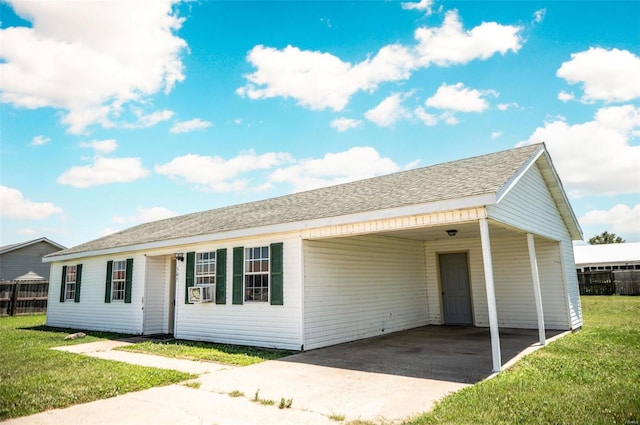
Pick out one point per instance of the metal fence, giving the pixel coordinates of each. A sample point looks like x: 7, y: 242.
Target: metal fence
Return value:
x: 20, y: 297
x: 609, y: 282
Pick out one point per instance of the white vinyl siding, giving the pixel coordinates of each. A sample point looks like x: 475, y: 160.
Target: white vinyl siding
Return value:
x: 530, y: 207
x: 253, y: 323
x: 156, y: 300
x: 92, y: 313
x: 360, y: 287
x: 512, y: 277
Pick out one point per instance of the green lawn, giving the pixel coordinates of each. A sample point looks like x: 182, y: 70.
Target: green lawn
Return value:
x: 589, y: 377
x: 34, y: 378
x: 222, y: 353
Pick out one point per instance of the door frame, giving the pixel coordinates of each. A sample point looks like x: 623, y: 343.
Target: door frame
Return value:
x: 440, y: 295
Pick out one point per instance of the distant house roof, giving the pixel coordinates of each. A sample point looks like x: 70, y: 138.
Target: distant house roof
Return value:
x: 466, y: 178
x: 30, y: 276
x: 607, y: 253
x: 12, y: 247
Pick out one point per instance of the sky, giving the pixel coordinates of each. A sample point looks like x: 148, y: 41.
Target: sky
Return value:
x: 115, y: 113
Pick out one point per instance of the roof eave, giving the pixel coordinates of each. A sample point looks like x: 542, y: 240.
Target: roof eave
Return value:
x: 431, y: 207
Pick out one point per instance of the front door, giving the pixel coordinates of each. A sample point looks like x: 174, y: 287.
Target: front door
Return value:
x: 454, y: 281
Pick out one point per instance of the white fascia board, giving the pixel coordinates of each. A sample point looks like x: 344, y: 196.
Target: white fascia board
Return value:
x: 432, y: 207
x: 509, y: 184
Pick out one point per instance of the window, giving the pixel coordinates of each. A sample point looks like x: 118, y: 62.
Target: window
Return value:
x: 256, y: 274
x: 70, y: 283
x: 205, y: 268
x: 118, y: 280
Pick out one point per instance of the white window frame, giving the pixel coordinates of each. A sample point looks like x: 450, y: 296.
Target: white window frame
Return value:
x: 255, y: 273
x: 70, y: 280
x: 205, y: 268
x: 118, y: 280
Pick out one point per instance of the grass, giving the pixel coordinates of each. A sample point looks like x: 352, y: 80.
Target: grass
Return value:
x: 195, y: 350
x: 34, y: 378
x: 591, y: 376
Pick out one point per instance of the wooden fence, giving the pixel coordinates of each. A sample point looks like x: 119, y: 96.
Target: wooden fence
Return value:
x: 609, y: 282
x: 19, y: 297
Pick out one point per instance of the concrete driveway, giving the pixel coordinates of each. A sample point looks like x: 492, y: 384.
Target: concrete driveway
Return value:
x: 382, y: 379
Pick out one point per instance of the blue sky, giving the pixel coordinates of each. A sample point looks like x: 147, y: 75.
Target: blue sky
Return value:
x: 116, y: 113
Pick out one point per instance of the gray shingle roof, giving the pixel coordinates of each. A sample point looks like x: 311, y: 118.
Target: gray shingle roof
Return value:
x: 452, y: 180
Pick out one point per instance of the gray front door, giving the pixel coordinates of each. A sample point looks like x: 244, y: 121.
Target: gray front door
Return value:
x: 456, y: 297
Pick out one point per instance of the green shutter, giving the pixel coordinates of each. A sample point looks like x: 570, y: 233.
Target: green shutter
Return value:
x: 191, y: 260
x: 221, y: 276
x: 238, y: 273
x: 128, y: 281
x: 63, y: 285
x: 275, y: 276
x: 107, y: 289
x: 78, y: 282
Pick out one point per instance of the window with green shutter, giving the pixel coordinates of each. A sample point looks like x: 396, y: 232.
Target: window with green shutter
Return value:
x: 277, y: 294
x: 191, y: 258
x: 70, y: 283
x: 238, y: 274
x: 221, y: 276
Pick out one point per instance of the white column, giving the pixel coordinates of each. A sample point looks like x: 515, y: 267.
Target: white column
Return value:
x: 536, y: 288
x: 491, y: 294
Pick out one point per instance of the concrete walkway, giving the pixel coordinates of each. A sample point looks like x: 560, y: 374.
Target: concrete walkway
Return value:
x: 105, y: 350
x: 385, y: 379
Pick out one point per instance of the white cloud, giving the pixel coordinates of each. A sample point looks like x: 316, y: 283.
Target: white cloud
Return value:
x: 144, y: 215
x: 149, y: 120
x: 538, y: 15
x: 496, y: 134
x: 189, y: 126
x: 40, y: 140
x: 388, y: 111
x: 27, y: 231
x: 422, y: 5
x: 217, y: 174
x: 565, y: 96
x: 609, y: 75
x: 15, y: 206
x: 505, y: 106
x: 427, y: 118
x: 89, y: 58
x: 335, y: 168
x: 101, y: 146
x: 457, y: 97
x: 595, y: 157
x: 344, y: 124
x: 619, y: 219
x: 451, y: 44
x: 320, y: 80
x: 104, y: 171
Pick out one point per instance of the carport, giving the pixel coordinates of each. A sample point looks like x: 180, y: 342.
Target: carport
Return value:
x: 389, y: 377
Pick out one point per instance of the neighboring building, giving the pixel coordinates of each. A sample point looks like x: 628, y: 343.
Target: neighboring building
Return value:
x: 21, y: 258
x: 484, y: 241
x: 613, y: 256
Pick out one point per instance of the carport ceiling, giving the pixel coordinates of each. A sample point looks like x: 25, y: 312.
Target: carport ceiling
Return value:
x: 470, y: 230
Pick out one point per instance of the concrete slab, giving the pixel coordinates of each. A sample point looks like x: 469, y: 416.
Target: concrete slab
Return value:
x: 386, y: 379
x: 171, y: 405
x: 104, y: 350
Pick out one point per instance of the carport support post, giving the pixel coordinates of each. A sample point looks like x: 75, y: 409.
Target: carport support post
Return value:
x: 536, y: 288
x: 491, y: 294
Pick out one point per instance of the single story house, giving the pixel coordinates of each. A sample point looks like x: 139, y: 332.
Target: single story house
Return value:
x: 613, y: 256
x: 484, y: 241
x: 21, y: 258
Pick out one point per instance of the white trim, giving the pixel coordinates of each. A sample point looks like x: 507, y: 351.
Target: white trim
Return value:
x: 491, y: 294
x: 536, y: 287
x: 13, y: 247
x: 302, y: 273
x: 433, y: 207
x: 509, y: 184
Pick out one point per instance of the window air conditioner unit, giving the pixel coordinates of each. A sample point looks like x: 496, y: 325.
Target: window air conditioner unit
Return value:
x: 201, y: 294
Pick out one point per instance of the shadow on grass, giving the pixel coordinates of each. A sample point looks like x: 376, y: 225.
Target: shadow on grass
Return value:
x: 270, y: 353
x: 96, y: 334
